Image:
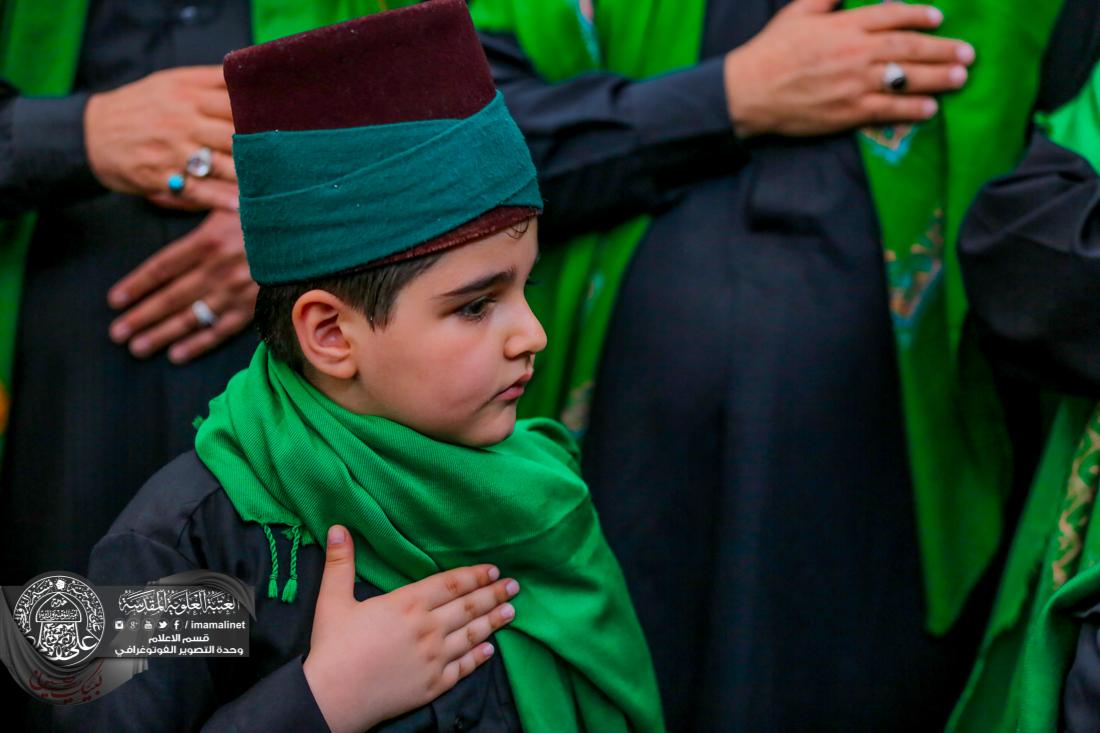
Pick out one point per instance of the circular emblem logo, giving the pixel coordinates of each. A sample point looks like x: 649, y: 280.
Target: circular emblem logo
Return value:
x: 62, y: 616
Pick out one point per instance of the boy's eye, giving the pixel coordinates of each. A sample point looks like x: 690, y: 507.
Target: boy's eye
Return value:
x: 477, y: 309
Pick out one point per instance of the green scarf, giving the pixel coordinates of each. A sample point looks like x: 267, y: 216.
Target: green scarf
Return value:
x: 922, y: 179
x: 1054, y: 562
x: 39, y: 51
x: 575, y: 654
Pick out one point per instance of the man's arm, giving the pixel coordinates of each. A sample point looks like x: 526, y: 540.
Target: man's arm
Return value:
x: 608, y: 148
x: 42, y: 157
x: 1030, y: 252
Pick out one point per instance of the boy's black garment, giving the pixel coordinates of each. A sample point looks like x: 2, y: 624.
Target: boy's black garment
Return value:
x: 181, y: 520
x: 746, y: 448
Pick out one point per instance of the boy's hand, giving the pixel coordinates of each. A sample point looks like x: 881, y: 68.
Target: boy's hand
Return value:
x: 372, y: 660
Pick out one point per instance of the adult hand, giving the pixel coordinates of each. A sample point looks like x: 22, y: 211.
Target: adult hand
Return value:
x: 209, y: 264
x: 140, y: 134
x: 372, y: 660
x: 811, y: 71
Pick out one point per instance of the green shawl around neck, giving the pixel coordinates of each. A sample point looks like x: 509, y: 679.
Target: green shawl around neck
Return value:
x: 39, y: 50
x: 575, y: 655
x: 1053, y: 566
x: 922, y: 179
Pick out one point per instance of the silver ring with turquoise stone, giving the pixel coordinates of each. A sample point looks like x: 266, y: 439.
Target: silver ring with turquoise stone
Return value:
x: 176, y: 182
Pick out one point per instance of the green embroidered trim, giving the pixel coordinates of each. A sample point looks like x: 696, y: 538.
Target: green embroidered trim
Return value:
x: 1077, y: 505
x: 890, y: 142
x: 913, y: 278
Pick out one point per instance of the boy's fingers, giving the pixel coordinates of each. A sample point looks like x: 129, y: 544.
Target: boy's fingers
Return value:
x: 461, y: 641
x: 442, y: 588
x: 338, y: 577
x: 461, y: 611
x: 464, y: 665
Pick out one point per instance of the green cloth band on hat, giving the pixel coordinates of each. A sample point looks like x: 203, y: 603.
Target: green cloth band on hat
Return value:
x: 317, y: 202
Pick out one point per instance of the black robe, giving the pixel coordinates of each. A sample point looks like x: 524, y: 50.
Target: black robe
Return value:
x: 89, y: 422
x: 183, y: 520
x: 746, y: 448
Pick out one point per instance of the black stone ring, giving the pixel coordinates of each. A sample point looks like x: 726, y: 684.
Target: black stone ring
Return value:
x: 894, y: 78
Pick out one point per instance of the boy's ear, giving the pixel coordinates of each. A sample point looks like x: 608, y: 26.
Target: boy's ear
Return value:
x: 320, y: 320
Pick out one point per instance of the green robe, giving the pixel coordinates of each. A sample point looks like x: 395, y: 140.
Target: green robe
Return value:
x: 1053, y: 567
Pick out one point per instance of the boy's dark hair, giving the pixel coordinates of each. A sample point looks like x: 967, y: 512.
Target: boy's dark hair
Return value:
x: 372, y: 291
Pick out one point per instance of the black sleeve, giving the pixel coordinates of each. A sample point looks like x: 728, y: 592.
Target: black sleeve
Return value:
x: 1081, y: 695
x: 282, y: 701
x: 608, y: 148
x: 42, y: 155
x: 1072, y: 51
x: 183, y: 694
x: 1030, y: 255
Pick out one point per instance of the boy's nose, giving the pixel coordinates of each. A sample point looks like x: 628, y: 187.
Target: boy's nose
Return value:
x: 529, y: 336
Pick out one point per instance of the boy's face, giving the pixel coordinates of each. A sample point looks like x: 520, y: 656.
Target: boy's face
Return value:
x: 459, y: 344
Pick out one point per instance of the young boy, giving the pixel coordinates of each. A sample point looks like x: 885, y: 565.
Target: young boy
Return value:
x: 388, y: 203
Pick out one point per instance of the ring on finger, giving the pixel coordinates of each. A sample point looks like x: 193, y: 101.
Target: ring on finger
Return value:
x: 176, y: 182
x: 200, y: 162
x: 894, y: 78
x: 203, y: 313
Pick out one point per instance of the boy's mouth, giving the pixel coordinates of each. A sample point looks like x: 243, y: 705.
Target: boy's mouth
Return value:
x: 515, y: 390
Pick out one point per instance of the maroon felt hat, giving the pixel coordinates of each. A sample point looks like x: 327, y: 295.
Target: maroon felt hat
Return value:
x: 421, y: 62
